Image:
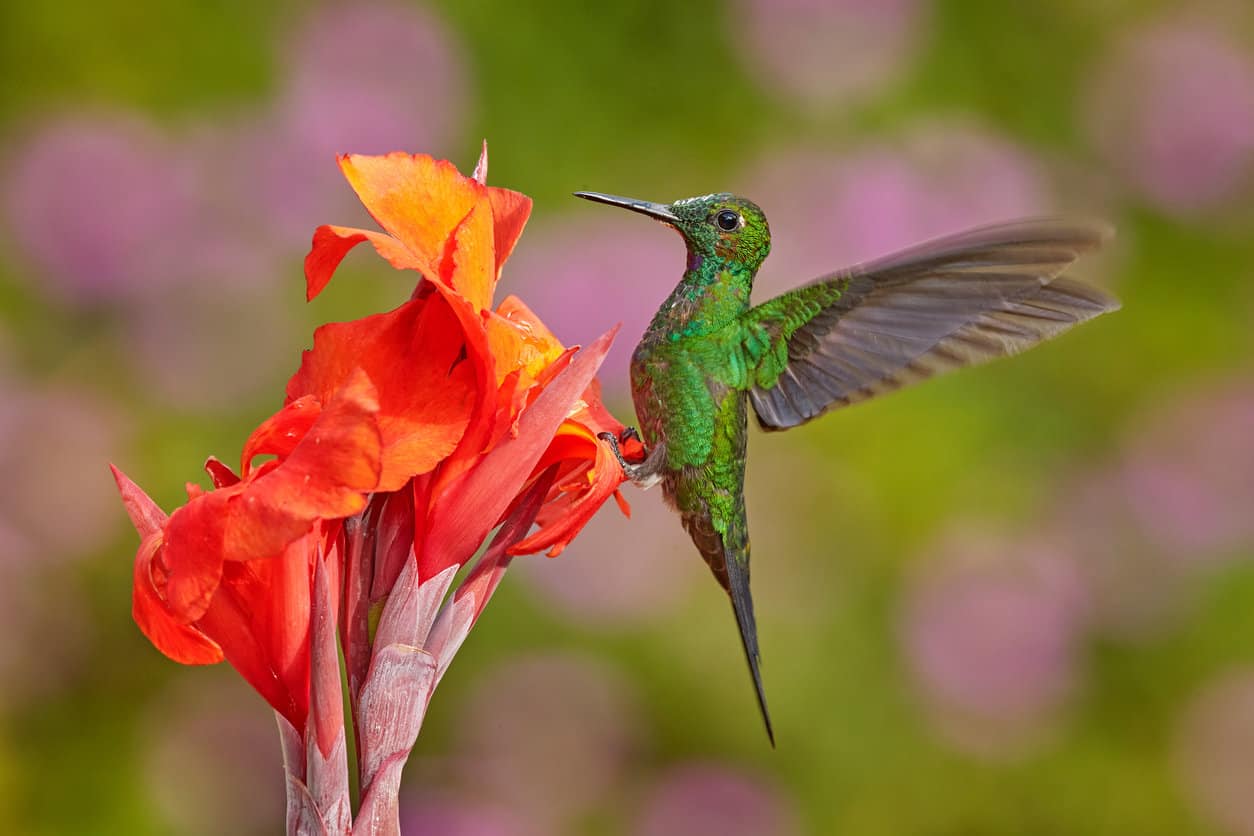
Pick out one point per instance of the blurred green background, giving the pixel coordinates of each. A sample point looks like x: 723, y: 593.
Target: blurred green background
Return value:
x: 1019, y: 600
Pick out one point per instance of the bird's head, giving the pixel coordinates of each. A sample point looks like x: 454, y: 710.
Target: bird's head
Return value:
x: 721, y: 226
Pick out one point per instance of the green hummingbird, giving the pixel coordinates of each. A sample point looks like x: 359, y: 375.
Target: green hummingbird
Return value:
x: 842, y: 338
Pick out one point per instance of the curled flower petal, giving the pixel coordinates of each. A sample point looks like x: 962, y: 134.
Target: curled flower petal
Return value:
x: 183, y: 643
x: 332, y: 243
x: 326, y: 476
x: 279, y: 434
x: 411, y: 355
x: 417, y: 199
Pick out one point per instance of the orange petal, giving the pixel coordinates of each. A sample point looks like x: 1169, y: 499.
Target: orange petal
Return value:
x: 467, y: 509
x: 327, y: 476
x: 520, y: 340
x: 418, y: 199
x: 510, y: 211
x: 332, y: 243
x: 485, y: 400
x: 472, y: 272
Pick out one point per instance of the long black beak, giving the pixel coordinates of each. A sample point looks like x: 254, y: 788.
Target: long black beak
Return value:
x: 659, y: 211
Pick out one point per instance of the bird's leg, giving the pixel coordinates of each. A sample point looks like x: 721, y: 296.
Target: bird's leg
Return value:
x: 646, y: 474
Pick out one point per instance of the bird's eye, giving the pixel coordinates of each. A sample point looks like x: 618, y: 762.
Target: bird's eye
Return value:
x: 727, y: 220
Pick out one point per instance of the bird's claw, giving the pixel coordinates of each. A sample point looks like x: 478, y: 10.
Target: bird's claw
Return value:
x: 644, y: 474
x: 612, y: 440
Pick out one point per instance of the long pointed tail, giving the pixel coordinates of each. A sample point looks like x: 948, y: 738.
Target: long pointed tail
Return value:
x: 742, y: 605
x: 728, y: 557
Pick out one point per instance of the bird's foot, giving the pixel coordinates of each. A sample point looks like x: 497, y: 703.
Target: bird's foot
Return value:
x: 648, y: 472
x: 612, y: 440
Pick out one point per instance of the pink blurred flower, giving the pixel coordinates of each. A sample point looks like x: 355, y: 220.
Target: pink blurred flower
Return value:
x: 1147, y: 526
x: 710, y: 799
x: 578, y: 711
x: 829, y: 211
x: 828, y: 52
x: 101, y: 206
x: 1189, y: 474
x: 990, y: 630
x: 371, y: 77
x: 1172, y: 110
x: 1136, y: 591
x: 619, y: 571
x: 1212, y: 751
x: 374, y: 75
x: 570, y: 270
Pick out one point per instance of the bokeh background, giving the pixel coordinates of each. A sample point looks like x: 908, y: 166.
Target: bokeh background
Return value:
x: 1019, y: 600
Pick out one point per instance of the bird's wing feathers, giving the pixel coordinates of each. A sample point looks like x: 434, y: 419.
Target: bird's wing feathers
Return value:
x: 952, y: 302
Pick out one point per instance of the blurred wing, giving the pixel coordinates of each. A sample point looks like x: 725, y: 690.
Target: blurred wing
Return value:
x: 952, y: 302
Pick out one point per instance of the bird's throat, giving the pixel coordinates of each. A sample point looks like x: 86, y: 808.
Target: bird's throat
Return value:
x: 713, y: 292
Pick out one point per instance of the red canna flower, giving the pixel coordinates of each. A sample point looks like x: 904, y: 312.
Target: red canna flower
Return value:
x: 405, y: 439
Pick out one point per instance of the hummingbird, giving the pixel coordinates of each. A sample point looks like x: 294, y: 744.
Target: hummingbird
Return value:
x: 709, y: 355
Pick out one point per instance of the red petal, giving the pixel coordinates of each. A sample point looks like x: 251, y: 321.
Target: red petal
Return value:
x: 481, y: 363
x: 332, y: 243
x: 623, y: 505
x: 279, y: 434
x: 393, y: 539
x: 412, y: 356
x: 221, y: 475
x: 145, y: 515
x: 327, y: 476
x: 260, y: 618
x: 326, y: 693
x: 484, y: 578
x: 181, y: 642
x: 193, y: 552
x: 470, y: 507
x: 580, y: 506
